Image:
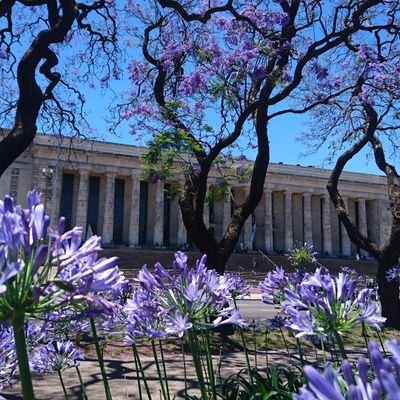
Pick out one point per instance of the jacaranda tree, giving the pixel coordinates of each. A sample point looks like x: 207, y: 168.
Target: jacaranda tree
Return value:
x: 35, y: 87
x: 365, y: 116
x: 212, y: 76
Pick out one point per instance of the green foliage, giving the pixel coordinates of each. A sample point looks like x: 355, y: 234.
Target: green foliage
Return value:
x: 278, y: 383
x: 164, y: 150
x: 217, y: 192
x: 302, y: 256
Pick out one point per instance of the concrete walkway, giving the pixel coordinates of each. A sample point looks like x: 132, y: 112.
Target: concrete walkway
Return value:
x: 123, y: 376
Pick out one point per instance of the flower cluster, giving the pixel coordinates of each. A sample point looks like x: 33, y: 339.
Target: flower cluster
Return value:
x: 172, y: 302
x: 345, y: 384
x: 393, y: 274
x: 277, y: 281
x: 302, y: 256
x: 54, y: 268
x: 56, y: 357
x: 322, y: 304
x: 8, y: 357
x: 274, y: 285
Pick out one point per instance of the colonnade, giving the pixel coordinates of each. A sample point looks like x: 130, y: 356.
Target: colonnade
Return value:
x: 150, y: 218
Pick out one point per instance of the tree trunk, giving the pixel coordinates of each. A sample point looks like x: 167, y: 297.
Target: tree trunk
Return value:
x: 388, y: 295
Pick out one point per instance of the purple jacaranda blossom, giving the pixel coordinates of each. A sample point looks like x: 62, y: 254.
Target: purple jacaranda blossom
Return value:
x: 323, y: 305
x: 56, y: 356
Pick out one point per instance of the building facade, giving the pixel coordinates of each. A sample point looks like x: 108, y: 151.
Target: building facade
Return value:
x: 99, y: 186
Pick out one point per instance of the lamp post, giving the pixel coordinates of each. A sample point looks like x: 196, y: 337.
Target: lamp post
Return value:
x: 48, y: 174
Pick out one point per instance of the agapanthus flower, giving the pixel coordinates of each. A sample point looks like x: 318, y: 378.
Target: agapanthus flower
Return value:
x: 276, y: 323
x: 236, y: 285
x: 8, y: 357
x: 325, y: 305
x: 274, y: 285
x: 393, y: 273
x: 302, y: 256
x: 181, y: 299
x: 53, y: 273
x: 56, y: 356
x: 380, y: 380
x: 64, y: 324
x: 352, y: 273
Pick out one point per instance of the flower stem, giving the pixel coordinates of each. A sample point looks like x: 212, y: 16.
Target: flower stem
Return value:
x: 83, y: 388
x: 300, y: 350
x: 197, y: 363
x: 18, y: 321
x: 246, y: 353
x: 339, y: 342
x: 62, y: 384
x: 160, y: 376
x: 285, y: 341
x: 210, y: 365
x: 266, y: 347
x: 139, y: 364
x: 380, y: 341
x: 100, y: 359
x: 164, y: 367
x: 184, y: 368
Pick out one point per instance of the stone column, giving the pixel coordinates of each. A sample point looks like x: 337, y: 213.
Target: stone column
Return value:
x: 206, y: 214
x: 346, y: 245
x: 326, y: 226
x: 268, y: 225
x: 108, y: 217
x: 308, y: 237
x: 248, y: 227
x: 134, y: 210
x: 56, y: 195
x: 182, y: 234
x: 288, y: 221
x: 362, y: 221
x: 159, y: 215
x: 226, y: 218
x: 83, y: 193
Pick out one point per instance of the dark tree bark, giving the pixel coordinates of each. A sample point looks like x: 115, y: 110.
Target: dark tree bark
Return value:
x: 387, y: 254
x: 31, y: 96
x: 39, y: 58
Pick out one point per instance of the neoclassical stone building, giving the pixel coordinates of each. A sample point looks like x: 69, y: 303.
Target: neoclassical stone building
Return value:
x: 99, y: 186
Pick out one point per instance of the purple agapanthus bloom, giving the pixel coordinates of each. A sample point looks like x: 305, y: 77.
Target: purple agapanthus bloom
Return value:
x: 324, y: 305
x: 274, y: 285
x: 236, y: 285
x: 176, y: 300
x: 56, y: 356
x: 54, y: 273
x: 379, y: 381
x: 8, y: 357
x: 276, y: 323
x: 393, y: 273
